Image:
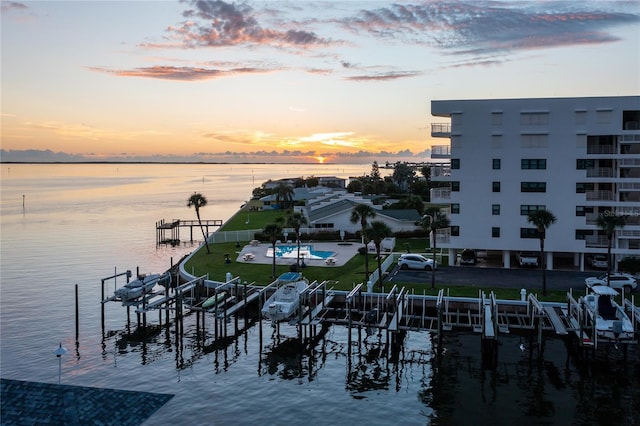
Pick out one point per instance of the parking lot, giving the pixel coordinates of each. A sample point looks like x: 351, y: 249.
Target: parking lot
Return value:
x: 488, y: 277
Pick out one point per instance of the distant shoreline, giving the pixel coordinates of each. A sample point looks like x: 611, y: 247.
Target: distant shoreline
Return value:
x: 167, y: 162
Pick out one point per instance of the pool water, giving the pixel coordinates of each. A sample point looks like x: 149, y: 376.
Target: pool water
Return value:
x: 290, y: 251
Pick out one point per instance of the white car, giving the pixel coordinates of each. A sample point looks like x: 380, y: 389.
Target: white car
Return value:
x: 416, y: 261
x: 598, y: 261
x: 617, y: 280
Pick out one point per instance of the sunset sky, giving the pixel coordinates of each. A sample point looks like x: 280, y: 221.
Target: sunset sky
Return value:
x: 288, y: 81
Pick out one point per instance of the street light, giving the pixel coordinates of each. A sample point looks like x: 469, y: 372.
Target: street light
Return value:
x: 58, y: 353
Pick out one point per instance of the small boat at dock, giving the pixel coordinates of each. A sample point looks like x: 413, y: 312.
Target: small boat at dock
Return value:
x: 285, y: 302
x: 142, y: 285
x: 214, y: 300
x: 611, y: 321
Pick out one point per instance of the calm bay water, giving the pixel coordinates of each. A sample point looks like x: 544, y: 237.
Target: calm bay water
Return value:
x: 80, y: 223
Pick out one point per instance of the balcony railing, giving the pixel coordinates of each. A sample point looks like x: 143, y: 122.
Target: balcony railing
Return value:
x: 600, y: 196
x: 600, y: 172
x: 440, y: 129
x: 440, y: 194
x: 601, y: 149
x: 629, y: 186
x: 440, y: 171
x: 595, y: 241
x: 629, y: 162
x: 441, y: 151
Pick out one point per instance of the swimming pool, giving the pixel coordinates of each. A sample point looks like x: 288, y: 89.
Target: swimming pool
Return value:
x: 290, y: 251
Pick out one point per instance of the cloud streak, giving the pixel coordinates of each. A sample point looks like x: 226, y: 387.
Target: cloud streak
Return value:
x: 465, y: 28
x: 216, y: 23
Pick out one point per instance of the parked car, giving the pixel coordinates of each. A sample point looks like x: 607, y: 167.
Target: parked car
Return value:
x: 527, y: 258
x: 598, y: 261
x: 468, y: 257
x: 618, y: 280
x: 416, y: 261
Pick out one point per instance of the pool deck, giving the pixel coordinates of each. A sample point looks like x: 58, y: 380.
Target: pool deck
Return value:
x: 33, y: 403
x: 343, y: 253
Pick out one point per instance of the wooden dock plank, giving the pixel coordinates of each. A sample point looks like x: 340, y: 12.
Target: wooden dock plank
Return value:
x: 555, y: 321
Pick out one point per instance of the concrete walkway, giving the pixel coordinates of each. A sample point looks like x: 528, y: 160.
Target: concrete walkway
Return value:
x: 31, y: 403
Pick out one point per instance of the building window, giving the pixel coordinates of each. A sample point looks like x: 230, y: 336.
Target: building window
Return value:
x: 581, y: 117
x: 495, y: 186
x: 496, y: 118
x: 603, y: 116
x: 582, y: 164
x: 534, y: 118
x: 496, y: 164
x: 533, y: 186
x: 533, y: 164
x: 495, y: 209
x: 455, y: 163
x: 455, y: 231
x: 527, y: 209
x: 582, y: 187
x: 529, y: 233
x: 583, y: 210
x: 582, y: 233
x: 534, y: 140
x: 496, y: 141
x: 495, y: 232
x: 323, y: 225
x: 455, y: 208
x: 455, y: 186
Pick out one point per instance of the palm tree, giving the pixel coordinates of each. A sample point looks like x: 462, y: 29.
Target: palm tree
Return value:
x: 197, y: 201
x: 361, y: 213
x: 273, y: 231
x: 542, y: 219
x: 377, y: 232
x: 609, y: 222
x: 284, y: 194
x: 433, y: 220
x: 296, y: 220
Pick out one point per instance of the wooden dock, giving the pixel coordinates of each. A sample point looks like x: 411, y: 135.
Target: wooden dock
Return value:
x: 396, y: 311
x: 168, y: 232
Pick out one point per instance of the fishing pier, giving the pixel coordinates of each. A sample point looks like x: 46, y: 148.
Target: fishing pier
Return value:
x: 168, y: 232
x: 393, y: 313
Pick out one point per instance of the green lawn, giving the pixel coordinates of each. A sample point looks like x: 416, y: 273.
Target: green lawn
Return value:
x: 349, y: 275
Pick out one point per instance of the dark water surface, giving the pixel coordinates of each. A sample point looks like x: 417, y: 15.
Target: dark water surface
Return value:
x: 81, y: 223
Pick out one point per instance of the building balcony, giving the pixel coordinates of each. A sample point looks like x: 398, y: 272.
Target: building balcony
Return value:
x: 596, y: 241
x: 440, y: 172
x: 629, y: 186
x: 440, y: 130
x: 440, y: 195
x: 600, y: 196
x: 441, y: 151
x: 443, y: 236
x: 600, y: 172
x: 629, y: 162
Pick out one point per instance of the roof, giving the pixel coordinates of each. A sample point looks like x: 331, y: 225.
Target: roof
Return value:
x: 603, y: 290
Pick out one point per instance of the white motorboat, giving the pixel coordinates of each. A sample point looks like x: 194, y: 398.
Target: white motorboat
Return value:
x: 611, y: 321
x: 286, y: 300
x: 142, y: 285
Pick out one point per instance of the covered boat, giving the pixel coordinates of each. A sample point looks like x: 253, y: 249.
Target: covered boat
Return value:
x: 142, y: 285
x: 286, y: 300
x: 611, y: 321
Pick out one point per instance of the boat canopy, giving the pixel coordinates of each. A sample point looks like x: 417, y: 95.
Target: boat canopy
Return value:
x: 603, y: 290
x: 288, y: 277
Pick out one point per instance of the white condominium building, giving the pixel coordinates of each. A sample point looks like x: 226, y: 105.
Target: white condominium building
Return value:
x: 576, y: 157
